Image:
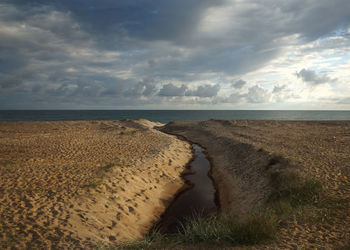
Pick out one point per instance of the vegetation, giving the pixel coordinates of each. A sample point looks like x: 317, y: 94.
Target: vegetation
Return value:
x: 255, y: 228
x: 216, y: 230
x: 290, y: 195
x: 129, y: 132
x: 8, y: 166
x: 292, y: 190
x: 100, y: 173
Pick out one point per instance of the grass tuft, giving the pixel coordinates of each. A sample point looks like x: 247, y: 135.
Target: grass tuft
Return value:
x: 100, y: 173
x: 154, y: 240
x: 221, y: 229
x: 292, y: 191
x: 291, y: 194
x: 256, y: 228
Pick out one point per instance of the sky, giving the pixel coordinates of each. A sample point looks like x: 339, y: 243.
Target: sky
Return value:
x: 175, y: 54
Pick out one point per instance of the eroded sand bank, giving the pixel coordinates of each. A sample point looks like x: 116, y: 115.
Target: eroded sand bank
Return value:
x: 65, y: 184
x: 71, y: 184
x: 240, y: 152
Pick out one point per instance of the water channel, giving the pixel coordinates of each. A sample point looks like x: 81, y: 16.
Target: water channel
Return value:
x: 199, y: 199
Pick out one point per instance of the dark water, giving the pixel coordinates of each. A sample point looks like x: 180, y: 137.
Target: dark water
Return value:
x: 200, y: 199
x: 165, y: 116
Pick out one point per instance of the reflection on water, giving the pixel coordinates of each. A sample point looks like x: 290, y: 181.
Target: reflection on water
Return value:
x: 199, y: 199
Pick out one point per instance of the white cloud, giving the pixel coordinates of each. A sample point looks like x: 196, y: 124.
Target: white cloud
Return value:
x: 257, y: 94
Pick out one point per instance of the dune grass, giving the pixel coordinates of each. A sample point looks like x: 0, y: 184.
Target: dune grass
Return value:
x: 100, y: 174
x: 290, y: 194
x: 220, y: 230
x: 255, y: 228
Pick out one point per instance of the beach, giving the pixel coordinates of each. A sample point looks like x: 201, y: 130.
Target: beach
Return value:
x: 241, y: 152
x: 95, y: 183
x: 83, y: 184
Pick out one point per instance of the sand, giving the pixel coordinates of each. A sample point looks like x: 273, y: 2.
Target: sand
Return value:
x: 240, y: 150
x: 85, y: 184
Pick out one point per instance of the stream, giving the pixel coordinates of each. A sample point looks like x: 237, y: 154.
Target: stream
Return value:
x: 198, y: 199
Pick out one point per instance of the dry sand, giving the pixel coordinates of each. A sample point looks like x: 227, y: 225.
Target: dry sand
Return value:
x: 240, y: 151
x: 65, y: 184
x: 82, y: 184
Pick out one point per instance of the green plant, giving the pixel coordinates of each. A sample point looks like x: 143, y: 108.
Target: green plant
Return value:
x: 128, y: 132
x: 100, y: 173
x: 290, y: 194
x: 256, y: 228
x: 154, y: 240
x: 290, y: 188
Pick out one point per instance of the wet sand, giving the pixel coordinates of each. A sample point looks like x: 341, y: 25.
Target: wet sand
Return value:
x: 82, y: 184
x: 240, y: 152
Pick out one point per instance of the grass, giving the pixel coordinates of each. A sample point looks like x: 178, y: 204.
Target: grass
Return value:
x: 218, y: 230
x: 129, y: 132
x: 100, y: 173
x: 154, y: 240
x: 9, y: 167
x: 292, y: 190
x: 291, y: 194
x: 256, y: 228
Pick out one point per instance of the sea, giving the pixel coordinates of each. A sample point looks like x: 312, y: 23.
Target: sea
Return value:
x: 165, y: 116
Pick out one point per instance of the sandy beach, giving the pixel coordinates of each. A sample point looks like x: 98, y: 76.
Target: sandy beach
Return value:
x: 240, y: 152
x: 82, y: 184
x: 94, y: 183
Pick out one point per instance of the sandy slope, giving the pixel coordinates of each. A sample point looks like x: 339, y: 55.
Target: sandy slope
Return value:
x: 65, y: 184
x: 240, y: 150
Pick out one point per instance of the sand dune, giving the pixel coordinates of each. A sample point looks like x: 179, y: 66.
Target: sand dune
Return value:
x: 240, y: 151
x: 85, y: 184
x: 65, y: 184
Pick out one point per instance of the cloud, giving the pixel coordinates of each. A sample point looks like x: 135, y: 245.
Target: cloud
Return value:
x: 142, y: 88
x: 171, y: 90
x: 233, y: 98
x: 257, y: 94
x: 282, y: 94
x: 7, y: 82
x: 278, y: 89
x: 311, y: 77
x: 239, y: 84
x: 344, y: 100
x: 141, y: 52
x: 204, y: 91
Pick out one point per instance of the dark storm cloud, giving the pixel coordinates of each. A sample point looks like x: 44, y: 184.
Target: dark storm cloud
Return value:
x: 144, y: 19
x: 126, y: 50
x: 204, y: 91
x: 201, y: 91
x: 9, y: 82
x: 172, y: 90
x: 311, y: 77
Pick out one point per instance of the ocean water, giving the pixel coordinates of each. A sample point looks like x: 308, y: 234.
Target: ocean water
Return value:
x: 166, y: 116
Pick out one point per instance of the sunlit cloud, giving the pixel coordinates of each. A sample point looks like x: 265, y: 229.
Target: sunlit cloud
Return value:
x: 186, y: 54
